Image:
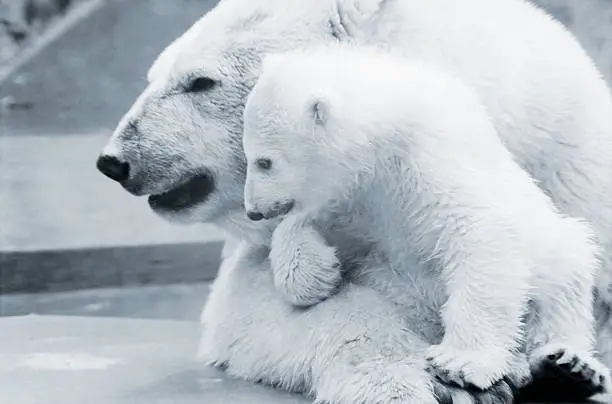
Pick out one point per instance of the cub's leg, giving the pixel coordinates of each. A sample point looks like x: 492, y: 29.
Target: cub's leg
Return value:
x: 354, y: 348
x: 487, y: 296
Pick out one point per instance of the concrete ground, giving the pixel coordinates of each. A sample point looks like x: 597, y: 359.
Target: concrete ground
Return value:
x: 82, y: 360
x: 181, y: 302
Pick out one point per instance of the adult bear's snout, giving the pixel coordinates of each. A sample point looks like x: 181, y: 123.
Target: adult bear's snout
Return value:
x: 113, y: 168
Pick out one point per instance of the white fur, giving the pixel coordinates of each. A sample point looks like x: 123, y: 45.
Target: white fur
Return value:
x: 304, y: 351
x: 422, y: 173
x: 548, y: 103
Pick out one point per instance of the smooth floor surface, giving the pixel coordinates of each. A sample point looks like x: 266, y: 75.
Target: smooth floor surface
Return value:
x: 80, y: 360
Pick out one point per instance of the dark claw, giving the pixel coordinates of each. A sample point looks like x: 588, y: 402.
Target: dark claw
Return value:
x: 573, y: 363
x: 556, y: 382
x: 221, y: 365
x: 602, y: 380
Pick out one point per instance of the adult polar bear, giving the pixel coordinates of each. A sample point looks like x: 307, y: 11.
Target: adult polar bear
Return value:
x: 180, y: 143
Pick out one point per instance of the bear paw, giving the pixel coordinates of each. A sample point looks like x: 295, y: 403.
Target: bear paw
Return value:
x: 306, y: 270
x: 502, y: 392
x: 581, y: 375
x: 467, y: 369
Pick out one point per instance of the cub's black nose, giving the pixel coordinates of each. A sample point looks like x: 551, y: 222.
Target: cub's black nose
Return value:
x: 255, y: 216
x: 113, y: 168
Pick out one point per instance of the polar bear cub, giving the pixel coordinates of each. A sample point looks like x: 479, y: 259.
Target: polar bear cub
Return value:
x: 409, y: 153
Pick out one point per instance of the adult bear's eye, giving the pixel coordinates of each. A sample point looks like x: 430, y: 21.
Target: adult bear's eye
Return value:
x: 200, y: 84
x: 264, y: 163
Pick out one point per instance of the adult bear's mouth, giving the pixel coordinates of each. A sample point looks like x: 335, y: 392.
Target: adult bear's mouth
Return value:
x: 190, y: 193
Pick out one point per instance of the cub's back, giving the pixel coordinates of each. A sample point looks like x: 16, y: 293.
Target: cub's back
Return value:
x: 367, y: 84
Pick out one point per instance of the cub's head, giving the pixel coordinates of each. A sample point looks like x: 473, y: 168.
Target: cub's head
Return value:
x: 302, y: 146
x: 181, y: 141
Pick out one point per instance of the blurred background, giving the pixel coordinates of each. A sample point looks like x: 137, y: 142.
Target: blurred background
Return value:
x: 71, y: 241
x: 69, y: 69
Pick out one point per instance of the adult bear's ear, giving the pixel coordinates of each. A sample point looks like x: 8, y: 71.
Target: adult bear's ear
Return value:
x: 350, y: 16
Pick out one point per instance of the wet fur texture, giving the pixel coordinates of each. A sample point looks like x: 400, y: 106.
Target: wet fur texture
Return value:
x: 552, y: 110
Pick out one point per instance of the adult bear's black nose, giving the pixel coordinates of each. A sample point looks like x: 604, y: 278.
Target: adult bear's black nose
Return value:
x: 113, y: 168
x: 254, y: 215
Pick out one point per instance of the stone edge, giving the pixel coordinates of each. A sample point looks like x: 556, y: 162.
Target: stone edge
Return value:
x: 100, y: 267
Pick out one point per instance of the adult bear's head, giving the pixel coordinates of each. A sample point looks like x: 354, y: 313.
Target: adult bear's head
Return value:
x: 180, y: 143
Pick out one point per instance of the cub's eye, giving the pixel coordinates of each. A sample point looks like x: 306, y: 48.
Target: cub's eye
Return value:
x: 200, y: 84
x: 264, y: 163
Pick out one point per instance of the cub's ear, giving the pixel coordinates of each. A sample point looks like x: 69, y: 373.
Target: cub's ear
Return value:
x: 351, y: 14
x: 319, y: 110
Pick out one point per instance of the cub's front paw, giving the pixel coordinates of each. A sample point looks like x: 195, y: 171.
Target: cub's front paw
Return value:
x: 467, y: 369
x: 580, y: 373
x: 306, y: 270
